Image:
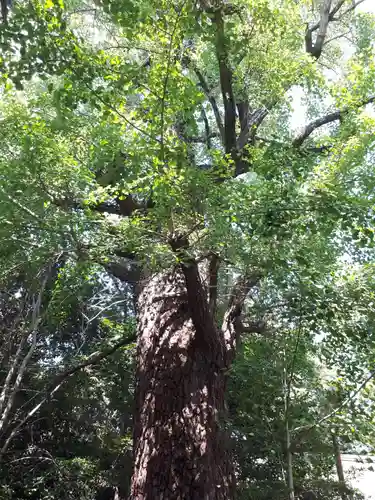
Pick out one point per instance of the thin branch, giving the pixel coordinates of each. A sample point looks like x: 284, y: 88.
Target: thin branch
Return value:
x: 349, y: 9
x: 166, y: 79
x: 340, y: 407
x: 213, y: 271
x: 121, y: 115
x: 102, y: 309
x: 80, y: 11
x: 35, y: 320
x: 112, y: 108
x: 19, y: 205
x: 294, y: 359
x: 60, y: 379
x: 131, y: 47
x: 337, y: 37
x: 203, y: 139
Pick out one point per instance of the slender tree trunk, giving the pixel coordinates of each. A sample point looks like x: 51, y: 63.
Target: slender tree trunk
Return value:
x: 339, y: 467
x: 290, y: 479
x: 289, y: 463
x: 179, y: 445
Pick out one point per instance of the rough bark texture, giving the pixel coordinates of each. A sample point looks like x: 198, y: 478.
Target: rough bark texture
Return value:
x: 180, y: 451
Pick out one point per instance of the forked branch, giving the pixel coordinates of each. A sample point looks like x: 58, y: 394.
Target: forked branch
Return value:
x: 327, y: 15
x: 201, y: 315
x: 212, y: 101
x: 226, y: 85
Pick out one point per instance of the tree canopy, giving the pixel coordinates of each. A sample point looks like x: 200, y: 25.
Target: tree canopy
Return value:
x: 231, y: 143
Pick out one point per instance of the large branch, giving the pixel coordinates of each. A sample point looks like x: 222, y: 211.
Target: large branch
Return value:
x: 239, y: 293
x: 60, y: 379
x: 306, y: 150
x: 12, y: 371
x: 327, y: 15
x: 208, y: 336
x: 244, y: 116
x: 324, y: 120
x: 315, y: 49
x: 212, y: 101
x: 243, y: 109
x: 226, y: 85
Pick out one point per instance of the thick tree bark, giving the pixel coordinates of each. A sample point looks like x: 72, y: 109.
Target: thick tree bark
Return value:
x: 180, y: 449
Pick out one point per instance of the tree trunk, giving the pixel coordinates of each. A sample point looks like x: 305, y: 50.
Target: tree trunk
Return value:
x: 179, y: 445
x: 289, y: 463
x: 286, y: 387
x: 339, y: 467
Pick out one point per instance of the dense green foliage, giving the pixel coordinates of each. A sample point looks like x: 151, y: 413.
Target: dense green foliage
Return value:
x: 111, y: 116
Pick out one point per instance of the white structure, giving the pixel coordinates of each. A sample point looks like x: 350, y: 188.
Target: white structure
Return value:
x: 365, y: 480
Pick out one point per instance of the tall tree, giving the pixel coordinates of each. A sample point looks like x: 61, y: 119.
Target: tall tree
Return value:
x: 145, y: 153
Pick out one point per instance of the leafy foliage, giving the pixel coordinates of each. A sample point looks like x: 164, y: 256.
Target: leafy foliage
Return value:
x: 114, y: 122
